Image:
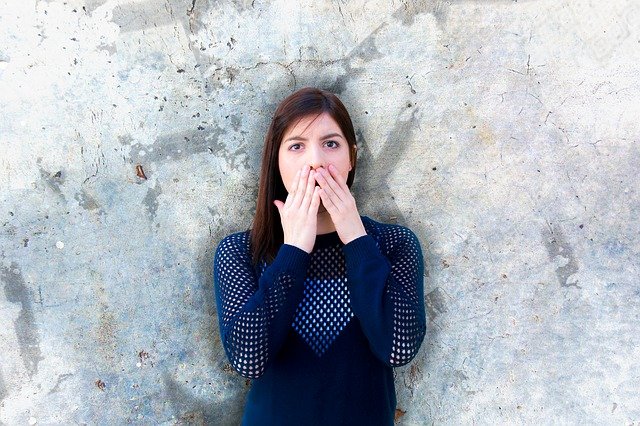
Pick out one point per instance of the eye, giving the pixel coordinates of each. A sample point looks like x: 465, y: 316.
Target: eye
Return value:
x: 335, y: 144
x: 293, y: 147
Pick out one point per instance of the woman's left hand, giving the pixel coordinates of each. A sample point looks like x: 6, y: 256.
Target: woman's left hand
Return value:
x: 340, y: 204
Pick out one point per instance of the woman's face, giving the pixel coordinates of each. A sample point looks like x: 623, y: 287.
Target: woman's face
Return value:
x: 317, y: 142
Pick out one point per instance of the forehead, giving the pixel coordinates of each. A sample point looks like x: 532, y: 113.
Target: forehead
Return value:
x: 312, y: 123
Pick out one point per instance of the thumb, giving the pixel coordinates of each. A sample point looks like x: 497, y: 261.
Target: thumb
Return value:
x: 279, y: 204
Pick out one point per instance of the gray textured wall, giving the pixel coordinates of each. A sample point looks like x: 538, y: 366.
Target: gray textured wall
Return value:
x: 504, y: 133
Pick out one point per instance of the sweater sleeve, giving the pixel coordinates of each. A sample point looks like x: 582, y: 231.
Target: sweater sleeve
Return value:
x: 255, y: 314
x: 387, y: 294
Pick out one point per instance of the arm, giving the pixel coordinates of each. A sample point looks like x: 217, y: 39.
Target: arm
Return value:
x: 387, y: 294
x: 254, y: 315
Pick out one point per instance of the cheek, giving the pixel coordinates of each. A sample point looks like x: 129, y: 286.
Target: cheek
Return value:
x: 282, y: 169
x: 345, y: 175
x: 346, y: 163
x: 287, y: 177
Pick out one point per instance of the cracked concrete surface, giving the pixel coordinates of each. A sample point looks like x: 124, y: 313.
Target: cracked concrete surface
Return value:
x: 505, y: 133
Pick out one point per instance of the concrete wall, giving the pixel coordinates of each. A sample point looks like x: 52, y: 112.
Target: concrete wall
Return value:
x: 505, y: 133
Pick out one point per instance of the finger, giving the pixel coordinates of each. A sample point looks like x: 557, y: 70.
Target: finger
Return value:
x: 315, y: 201
x: 294, y: 186
x: 301, y: 187
x: 311, y: 184
x: 296, y: 179
x: 328, y: 202
x: 279, y: 205
x: 344, y: 191
x: 331, y: 186
x: 333, y: 170
x: 324, y: 184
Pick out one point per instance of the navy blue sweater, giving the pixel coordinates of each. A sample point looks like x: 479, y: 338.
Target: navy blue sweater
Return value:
x: 319, y: 333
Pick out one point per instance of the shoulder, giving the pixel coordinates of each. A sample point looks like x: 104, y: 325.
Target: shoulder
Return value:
x: 390, y: 236
x: 386, y: 230
x: 234, y: 245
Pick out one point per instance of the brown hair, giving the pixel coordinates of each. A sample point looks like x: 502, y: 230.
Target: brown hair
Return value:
x: 266, y: 231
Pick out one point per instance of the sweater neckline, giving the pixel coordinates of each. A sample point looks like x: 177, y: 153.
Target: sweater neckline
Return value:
x: 326, y: 240
x: 332, y: 238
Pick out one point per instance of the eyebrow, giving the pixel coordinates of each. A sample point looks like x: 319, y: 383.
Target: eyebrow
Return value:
x: 300, y: 138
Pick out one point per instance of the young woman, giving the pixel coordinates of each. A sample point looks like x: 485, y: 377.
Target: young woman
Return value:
x: 315, y: 302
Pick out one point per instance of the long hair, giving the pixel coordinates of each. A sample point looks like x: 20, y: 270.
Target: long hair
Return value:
x: 266, y: 232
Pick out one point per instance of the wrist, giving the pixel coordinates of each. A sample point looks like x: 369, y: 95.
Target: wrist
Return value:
x: 301, y: 246
x: 355, y: 236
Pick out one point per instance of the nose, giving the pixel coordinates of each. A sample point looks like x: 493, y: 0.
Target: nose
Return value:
x: 316, y: 158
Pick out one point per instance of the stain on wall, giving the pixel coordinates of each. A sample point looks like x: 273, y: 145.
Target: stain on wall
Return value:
x: 25, y: 326
x: 3, y: 389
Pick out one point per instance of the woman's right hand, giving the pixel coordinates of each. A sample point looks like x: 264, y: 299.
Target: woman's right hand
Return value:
x: 299, y: 212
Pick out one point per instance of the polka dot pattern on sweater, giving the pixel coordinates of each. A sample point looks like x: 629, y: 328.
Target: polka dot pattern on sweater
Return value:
x: 248, y: 339
x: 259, y: 306
x: 404, y: 249
x: 325, y: 309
